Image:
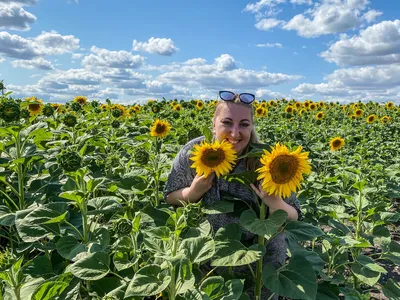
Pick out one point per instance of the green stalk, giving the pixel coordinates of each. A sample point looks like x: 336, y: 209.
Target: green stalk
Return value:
x: 20, y: 173
x: 172, y: 287
x: 260, y: 261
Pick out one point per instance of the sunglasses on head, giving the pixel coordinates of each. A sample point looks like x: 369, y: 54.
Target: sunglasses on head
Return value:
x: 230, y: 96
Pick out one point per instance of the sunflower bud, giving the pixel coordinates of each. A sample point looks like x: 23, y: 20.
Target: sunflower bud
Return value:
x: 94, y: 103
x: 97, y: 110
x: 141, y: 156
x: 6, y: 259
x: 25, y: 114
x: 10, y: 111
x: 175, y: 115
x: 76, y: 106
x: 182, y: 139
x: 69, y: 161
x: 116, y: 112
x: 123, y: 226
x: 194, y: 214
x: 48, y: 110
x: 115, y: 124
x: 70, y: 120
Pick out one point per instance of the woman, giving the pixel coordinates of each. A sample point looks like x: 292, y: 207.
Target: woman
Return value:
x: 233, y: 122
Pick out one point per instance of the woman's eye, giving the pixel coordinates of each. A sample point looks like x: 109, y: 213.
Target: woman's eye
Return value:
x: 226, y: 123
x: 245, y: 125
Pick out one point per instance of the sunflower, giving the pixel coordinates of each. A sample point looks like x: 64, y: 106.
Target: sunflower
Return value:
x: 217, y: 157
x: 289, y: 109
x: 298, y: 104
x: 35, y: 105
x: 177, y: 107
x: 199, y: 104
x: 371, y: 118
x: 263, y: 104
x: 359, y: 112
x: 80, y: 99
x: 385, y: 119
x: 336, y: 143
x: 56, y: 106
x: 389, y: 105
x: 302, y: 111
x: 353, y: 117
x: 271, y: 103
x: 261, y: 112
x: 312, y: 106
x: 155, y: 109
x: 306, y: 104
x: 136, y: 108
x: 282, y: 171
x: 320, y: 115
x: 160, y: 128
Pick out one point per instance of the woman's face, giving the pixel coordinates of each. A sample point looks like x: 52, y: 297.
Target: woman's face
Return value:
x: 233, y: 123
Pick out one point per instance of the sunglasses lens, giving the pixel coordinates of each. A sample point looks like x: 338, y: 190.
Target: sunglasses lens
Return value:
x: 227, y: 96
x: 247, y: 98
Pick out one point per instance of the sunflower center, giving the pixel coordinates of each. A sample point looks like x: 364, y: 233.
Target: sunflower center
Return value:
x: 34, y: 107
x: 160, y: 128
x: 283, y: 168
x: 336, y: 143
x: 212, y: 158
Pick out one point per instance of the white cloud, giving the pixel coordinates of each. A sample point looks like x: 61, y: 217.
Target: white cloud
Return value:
x: 47, y: 43
x: 328, y: 17
x: 377, y: 44
x: 23, y: 2
x: 112, y: 59
x: 368, y: 83
x: 2, y: 60
x: 225, y: 63
x: 39, y: 63
x: 158, y: 87
x: 371, y: 15
x: 161, y: 46
x: 267, y: 94
x: 270, y: 45
x: 257, y: 7
x: 195, y: 61
x: 76, y: 55
x: 267, y: 24
x: 13, y: 16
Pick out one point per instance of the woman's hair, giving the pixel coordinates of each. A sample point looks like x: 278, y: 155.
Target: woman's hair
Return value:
x: 251, y: 163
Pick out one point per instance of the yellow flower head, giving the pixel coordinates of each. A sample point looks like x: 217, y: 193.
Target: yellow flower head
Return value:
x: 390, y: 105
x: 289, y: 109
x: 261, y: 112
x: 312, y: 106
x: 35, y: 105
x: 199, y: 104
x: 320, y: 115
x: 371, y: 118
x: 282, y: 171
x: 359, y: 112
x: 160, y: 128
x: 177, y: 107
x: 271, y: 103
x: 336, y: 143
x: 298, y: 105
x: 80, y: 99
x: 217, y: 157
x: 385, y: 119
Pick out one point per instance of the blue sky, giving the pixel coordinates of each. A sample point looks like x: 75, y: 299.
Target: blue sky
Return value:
x: 131, y: 51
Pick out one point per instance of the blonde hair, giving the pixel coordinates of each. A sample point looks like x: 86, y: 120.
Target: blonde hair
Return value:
x: 251, y: 163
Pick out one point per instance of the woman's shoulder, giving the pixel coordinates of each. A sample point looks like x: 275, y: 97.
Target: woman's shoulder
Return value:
x: 189, y: 145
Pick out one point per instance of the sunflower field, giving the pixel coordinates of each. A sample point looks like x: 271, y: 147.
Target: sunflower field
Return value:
x: 82, y: 214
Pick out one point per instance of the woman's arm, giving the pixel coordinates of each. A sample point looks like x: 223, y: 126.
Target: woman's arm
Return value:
x: 200, y: 185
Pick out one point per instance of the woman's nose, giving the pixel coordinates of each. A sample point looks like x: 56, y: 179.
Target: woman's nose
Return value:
x: 235, y: 132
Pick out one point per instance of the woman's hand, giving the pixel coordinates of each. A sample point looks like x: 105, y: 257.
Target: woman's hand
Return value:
x: 269, y: 200
x: 200, y: 186
x: 275, y: 202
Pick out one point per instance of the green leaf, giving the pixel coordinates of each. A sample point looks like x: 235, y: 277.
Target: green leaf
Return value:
x: 102, y: 205
x: 49, y: 290
x: 122, y: 261
x: 68, y: 247
x: 40, y: 267
x: 296, y: 280
x: 365, y: 274
x: 100, y: 236
x: 199, y: 249
x: 267, y: 227
x: 233, y: 253
x: 58, y: 219
x: 75, y: 196
x: 213, y: 287
x: 302, y: 231
x: 392, y: 290
x: 92, y: 266
x: 234, y: 289
x: 148, y: 281
x: 370, y: 264
x: 105, y: 285
x: 219, y: 207
x: 246, y: 177
x: 229, y: 232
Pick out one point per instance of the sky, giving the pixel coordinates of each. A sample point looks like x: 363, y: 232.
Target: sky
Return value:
x: 133, y: 50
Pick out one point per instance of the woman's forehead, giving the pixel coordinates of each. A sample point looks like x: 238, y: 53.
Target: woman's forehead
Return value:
x: 235, y: 111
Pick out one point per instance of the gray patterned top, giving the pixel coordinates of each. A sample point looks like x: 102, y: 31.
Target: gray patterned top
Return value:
x: 182, y: 175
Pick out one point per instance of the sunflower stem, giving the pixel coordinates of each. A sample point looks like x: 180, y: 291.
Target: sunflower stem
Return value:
x: 260, y: 261
x: 20, y: 171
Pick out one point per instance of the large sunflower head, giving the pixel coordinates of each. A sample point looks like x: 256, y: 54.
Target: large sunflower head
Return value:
x: 271, y: 103
x: 260, y: 112
x: 160, y: 128
x: 371, y: 118
x: 263, y: 104
x: 385, y: 119
x: 312, y: 106
x: 282, y: 170
x: 359, y: 112
x: 177, y: 107
x: 298, y: 105
x: 199, y: 104
x: 389, y: 105
x: 215, y: 157
x: 80, y: 99
x: 289, y: 109
x: 35, y: 105
x: 320, y: 115
x: 336, y: 143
